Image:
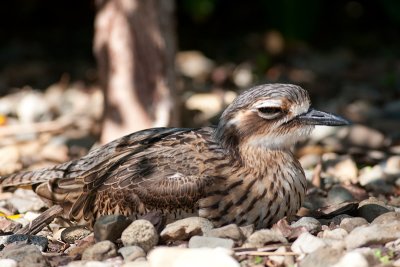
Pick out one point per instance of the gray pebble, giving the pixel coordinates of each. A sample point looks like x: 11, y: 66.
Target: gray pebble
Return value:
x: 210, y: 242
x: 140, y: 233
x: 73, y: 233
x: 110, y: 227
x: 131, y: 253
x: 100, y: 251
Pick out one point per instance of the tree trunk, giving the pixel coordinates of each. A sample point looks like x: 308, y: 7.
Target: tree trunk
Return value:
x: 134, y: 45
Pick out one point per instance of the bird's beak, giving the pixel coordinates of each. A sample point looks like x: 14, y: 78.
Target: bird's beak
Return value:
x: 316, y: 117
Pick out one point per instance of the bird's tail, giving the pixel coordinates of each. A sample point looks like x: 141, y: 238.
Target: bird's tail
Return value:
x: 32, y: 177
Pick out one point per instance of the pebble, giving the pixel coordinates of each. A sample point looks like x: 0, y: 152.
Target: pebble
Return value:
x: 349, y: 224
x: 373, y: 234
x: 140, y: 233
x: 25, y: 255
x: 387, y: 217
x: 185, y: 228
x: 312, y: 225
x: 231, y: 231
x: 337, y: 233
x: 321, y: 257
x: 363, y: 136
x: 353, y: 259
x: 73, y: 233
x: 131, y: 253
x: 110, y: 227
x: 210, y: 242
x: 90, y: 264
x: 339, y: 194
x: 371, y: 211
x: 39, y: 241
x: 26, y: 200
x: 100, y: 251
x: 8, y: 263
x: 262, y: 237
x: 196, y: 257
x: 307, y: 243
x: 342, y: 168
x: 9, y: 226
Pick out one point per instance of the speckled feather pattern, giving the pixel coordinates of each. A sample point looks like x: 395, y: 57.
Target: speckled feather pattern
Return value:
x: 230, y: 173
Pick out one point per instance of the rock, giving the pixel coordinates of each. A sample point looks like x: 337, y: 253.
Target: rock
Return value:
x: 374, y: 179
x: 307, y: 243
x: 353, y: 259
x: 19, y: 239
x: 90, y: 264
x: 337, y: 233
x: 262, y: 237
x: 392, y: 166
x: 387, y: 217
x: 25, y: 255
x: 185, y: 228
x: 247, y: 230
x: 349, y: 224
x: 26, y: 200
x: 73, y: 233
x: 342, y: 168
x: 100, y: 251
x: 9, y: 226
x: 311, y: 224
x: 110, y: 227
x: 371, y: 211
x: 282, y: 260
x: 373, y: 234
x: 210, y: 242
x: 309, y: 160
x: 321, y: 257
x: 338, y: 219
x: 359, y: 135
x: 140, y: 233
x: 8, y: 263
x: 131, y: 253
x: 137, y: 264
x: 196, y: 257
x: 231, y: 231
x: 339, y: 194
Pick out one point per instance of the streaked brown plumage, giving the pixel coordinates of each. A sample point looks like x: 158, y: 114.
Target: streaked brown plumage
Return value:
x: 241, y: 171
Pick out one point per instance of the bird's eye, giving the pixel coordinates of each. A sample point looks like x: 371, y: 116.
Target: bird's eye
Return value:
x: 269, y: 112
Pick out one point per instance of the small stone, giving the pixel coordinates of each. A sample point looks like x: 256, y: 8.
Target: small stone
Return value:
x: 140, y: 233
x: 387, y: 217
x: 359, y: 135
x: 210, y: 242
x: 25, y: 255
x: 353, y: 259
x: 195, y: 257
x: 371, y: 211
x: 73, y: 233
x: 342, y: 168
x: 8, y: 263
x: 309, y: 160
x: 337, y: 233
x: 339, y: 194
x: 262, y: 237
x: 307, y: 243
x: 247, y: 230
x: 373, y: 234
x: 110, y: 227
x: 185, y: 228
x: 321, y: 257
x: 26, y: 200
x: 90, y: 264
x: 16, y: 239
x: 311, y: 224
x: 349, y: 224
x: 9, y: 226
x: 137, y: 264
x: 100, y: 251
x: 231, y: 231
x: 131, y: 253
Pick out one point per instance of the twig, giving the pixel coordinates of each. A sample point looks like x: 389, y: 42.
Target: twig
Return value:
x: 41, y: 221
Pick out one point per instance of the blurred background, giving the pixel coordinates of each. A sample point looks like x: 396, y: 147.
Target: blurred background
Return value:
x: 66, y: 66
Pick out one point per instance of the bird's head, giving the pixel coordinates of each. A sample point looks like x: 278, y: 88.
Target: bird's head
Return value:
x: 271, y: 116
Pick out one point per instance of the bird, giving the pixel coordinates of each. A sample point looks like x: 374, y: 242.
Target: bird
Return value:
x: 240, y: 171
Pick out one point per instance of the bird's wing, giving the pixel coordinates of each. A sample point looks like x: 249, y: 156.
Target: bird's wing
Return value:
x: 167, y: 169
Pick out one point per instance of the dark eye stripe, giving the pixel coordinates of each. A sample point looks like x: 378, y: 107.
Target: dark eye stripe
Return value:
x: 269, y: 110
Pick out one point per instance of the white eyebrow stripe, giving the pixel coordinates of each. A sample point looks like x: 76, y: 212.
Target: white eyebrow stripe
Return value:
x: 269, y: 103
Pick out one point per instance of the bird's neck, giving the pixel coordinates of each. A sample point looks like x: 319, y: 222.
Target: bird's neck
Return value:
x: 260, y: 157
